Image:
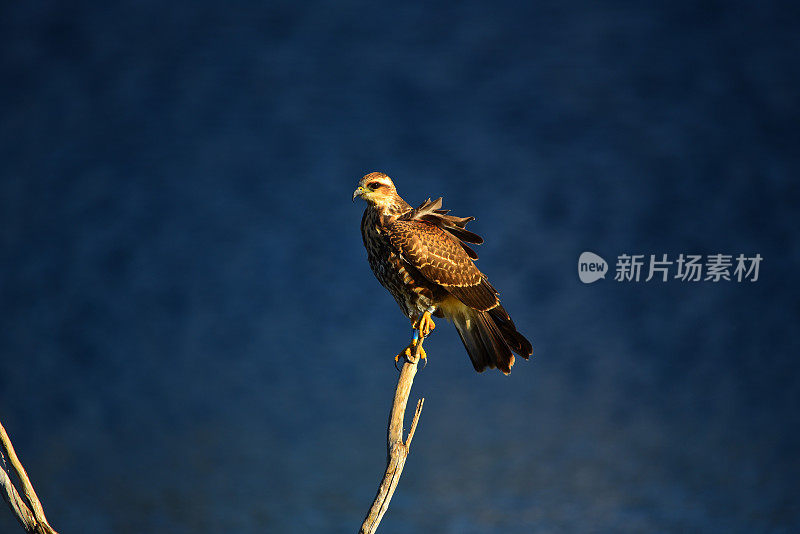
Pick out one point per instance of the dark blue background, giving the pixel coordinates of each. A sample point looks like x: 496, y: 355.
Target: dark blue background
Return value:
x: 192, y: 341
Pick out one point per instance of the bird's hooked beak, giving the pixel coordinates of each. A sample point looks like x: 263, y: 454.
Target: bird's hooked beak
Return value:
x: 357, y: 192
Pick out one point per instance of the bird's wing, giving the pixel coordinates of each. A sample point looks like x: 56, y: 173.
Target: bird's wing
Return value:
x: 431, y: 212
x: 441, y: 259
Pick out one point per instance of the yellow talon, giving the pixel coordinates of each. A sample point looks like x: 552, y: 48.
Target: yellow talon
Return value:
x: 425, y: 324
x: 407, y: 352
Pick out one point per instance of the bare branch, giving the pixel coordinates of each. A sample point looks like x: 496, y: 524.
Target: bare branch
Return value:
x: 414, y: 422
x: 17, y: 504
x: 397, y: 449
x: 29, y: 511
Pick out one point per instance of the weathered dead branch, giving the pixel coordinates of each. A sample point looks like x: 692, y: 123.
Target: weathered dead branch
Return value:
x: 27, y: 510
x: 397, y: 449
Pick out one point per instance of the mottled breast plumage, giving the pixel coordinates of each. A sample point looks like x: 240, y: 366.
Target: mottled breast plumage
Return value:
x: 412, y: 291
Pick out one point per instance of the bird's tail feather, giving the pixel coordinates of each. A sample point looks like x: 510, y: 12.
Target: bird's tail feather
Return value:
x: 490, y: 337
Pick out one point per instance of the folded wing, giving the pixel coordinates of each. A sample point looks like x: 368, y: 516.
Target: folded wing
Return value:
x: 435, y: 251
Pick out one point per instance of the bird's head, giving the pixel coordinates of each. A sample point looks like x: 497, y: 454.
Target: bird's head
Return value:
x: 377, y: 189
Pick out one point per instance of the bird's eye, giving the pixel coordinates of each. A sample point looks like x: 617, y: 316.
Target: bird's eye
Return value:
x: 374, y: 185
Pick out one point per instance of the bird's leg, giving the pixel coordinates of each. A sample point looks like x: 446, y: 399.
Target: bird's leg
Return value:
x: 424, y: 325
x: 406, y: 353
x: 422, y: 328
x: 420, y: 351
x: 413, y: 351
x: 416, y: 341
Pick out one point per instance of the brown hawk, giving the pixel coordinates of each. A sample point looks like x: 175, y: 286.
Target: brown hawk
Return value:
x: 421, y: 256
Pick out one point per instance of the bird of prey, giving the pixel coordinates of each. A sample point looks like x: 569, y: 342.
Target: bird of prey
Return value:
x: 422, y: 257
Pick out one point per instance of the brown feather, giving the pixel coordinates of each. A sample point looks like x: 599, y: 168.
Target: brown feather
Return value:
x: 489, y: 337
x: 457, y: 231
x: 483, y: 341
x: 516, y: 341
x: 471, y: 253
x: 479, y: 296
x: 429, y: 211
x: 442, y: 259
